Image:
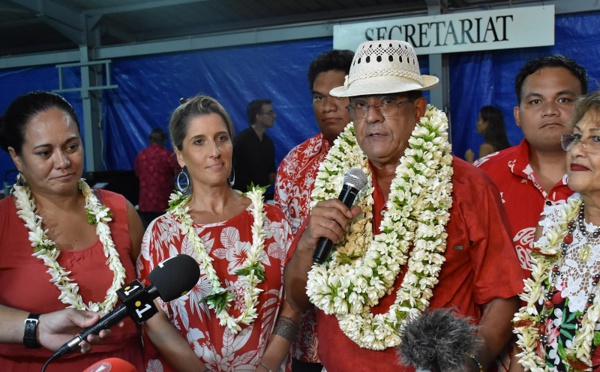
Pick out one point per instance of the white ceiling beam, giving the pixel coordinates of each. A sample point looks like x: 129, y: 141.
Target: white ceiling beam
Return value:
x: 140, y: 6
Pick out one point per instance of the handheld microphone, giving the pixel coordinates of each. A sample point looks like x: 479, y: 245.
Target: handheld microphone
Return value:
x: 438, y: 341
x: 354, y: 180
x: 170, y: 279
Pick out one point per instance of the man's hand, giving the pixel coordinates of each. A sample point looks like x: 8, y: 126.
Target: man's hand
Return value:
x: 59, y: 327
x: 328, y: 219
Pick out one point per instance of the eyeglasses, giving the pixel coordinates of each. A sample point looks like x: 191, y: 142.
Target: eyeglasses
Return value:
x: 388, y: 108
x: 270, y: 113
x: 591, y: 144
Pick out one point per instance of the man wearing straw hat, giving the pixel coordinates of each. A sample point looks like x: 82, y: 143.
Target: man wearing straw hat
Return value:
x: 418, y: 235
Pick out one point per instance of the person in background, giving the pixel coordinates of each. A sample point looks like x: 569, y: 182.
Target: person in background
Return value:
x: 254, y: 151
x: 558, y: 325
x: 297, y: 172
x: 156, y: 168
x: 236, y: 318
x: 63, y: 244
x: 417, y: 237
x: 490, y: 124
x: 532, y: 174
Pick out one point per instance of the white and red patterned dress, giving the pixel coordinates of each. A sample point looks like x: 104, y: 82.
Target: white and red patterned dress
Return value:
x: 227, y: 243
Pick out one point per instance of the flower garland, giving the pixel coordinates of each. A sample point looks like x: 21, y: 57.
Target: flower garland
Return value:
x: 363, y: 269
x: 251, y: 273
x: 527, y: 321
x: 47, y: 251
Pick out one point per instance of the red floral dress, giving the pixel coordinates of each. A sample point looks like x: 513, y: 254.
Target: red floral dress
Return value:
x: 227, y: 243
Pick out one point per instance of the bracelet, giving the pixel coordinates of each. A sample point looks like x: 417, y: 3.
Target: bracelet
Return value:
x: 265, y: 367
x: 477, y: 363
x: 286, y: 328
x: 29, y: 337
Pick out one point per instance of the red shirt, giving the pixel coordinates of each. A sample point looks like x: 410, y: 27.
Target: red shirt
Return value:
x: 26, y: 285
x: 481, y: 265
x: 155, y: 167
x: 295, y: 182
x: 523, y: 197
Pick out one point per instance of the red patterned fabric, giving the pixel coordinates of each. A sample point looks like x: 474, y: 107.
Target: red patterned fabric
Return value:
x: 522, y: 196
x: 26, y: 285
x: 295, y: 182
x: 470, y: 277
x: 155, y: 167
x: 227, y: 244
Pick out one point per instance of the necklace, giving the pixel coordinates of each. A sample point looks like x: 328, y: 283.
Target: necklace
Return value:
x: 530, y: 321
x: 584, y: 253
x: 47, y: 251
x: 252, y: 271
x: 363, y: 268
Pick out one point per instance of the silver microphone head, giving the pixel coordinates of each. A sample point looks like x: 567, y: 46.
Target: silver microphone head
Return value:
x: 356, y: 178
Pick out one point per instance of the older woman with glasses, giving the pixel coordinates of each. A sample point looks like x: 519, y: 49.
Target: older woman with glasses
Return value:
x: 557, y: 329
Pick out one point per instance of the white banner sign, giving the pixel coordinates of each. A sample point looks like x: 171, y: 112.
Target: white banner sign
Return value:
x: 460, y: 32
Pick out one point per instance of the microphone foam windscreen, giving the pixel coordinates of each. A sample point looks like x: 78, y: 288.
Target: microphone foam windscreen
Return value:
x: 438, y: 341
x: 175, y: 276
x: 111, y: 364
x: 356, y: 178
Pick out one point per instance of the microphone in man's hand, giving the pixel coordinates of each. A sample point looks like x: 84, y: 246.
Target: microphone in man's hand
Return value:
x: 438, y: 341
x: 170, y: 279
x: 354, y: 180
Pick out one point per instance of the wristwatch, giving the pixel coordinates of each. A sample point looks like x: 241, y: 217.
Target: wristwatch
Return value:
x: 29, y: 339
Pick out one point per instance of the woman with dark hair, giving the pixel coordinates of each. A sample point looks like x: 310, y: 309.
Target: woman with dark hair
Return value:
x: 235, y: 318
x: 490, y: 124
x: 63, y: 244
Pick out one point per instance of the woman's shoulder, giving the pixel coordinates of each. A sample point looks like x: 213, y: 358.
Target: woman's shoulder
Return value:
x: 274, y: 212
x: 486, y: 149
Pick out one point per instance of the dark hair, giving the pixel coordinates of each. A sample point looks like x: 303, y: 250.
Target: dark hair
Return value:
x: 495, y: 133
x: 20, y: 112
x: 332, y: 60
x: 254, y: 108
x: 195, y: 106
x: 584, y: 104
x: 555, y: 60
x: 158, y: 136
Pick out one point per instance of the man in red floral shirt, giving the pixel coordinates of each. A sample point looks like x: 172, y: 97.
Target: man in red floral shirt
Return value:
x: 533, y: 173
x: 297, y: 171
x: 155, y: 167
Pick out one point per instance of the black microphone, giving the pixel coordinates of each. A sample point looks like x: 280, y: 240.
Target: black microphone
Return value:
x: 171, y: 279
x: 354, y: 180
x: 438, y: 341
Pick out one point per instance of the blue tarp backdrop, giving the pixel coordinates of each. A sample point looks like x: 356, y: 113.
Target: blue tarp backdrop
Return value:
x: 150, y: 87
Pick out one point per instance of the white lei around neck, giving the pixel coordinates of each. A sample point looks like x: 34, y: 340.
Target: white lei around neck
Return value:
x: 363, y: 269
x: 546, y: 253
x: 250, y: 274
x: 47, y: 251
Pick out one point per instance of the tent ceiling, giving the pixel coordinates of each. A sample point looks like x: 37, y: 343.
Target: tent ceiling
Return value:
x: 35, y: 26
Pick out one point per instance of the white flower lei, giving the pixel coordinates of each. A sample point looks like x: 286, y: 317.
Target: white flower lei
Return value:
x: 546, y: 252
x: 47, y: 251
x: 251, y: 273
x: 362, y: 269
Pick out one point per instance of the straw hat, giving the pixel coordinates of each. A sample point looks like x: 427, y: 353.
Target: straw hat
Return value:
x: 382, y: 67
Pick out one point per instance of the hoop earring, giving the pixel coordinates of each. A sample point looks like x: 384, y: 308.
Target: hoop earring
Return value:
x: 183, y: 184
x: 230, y: 178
